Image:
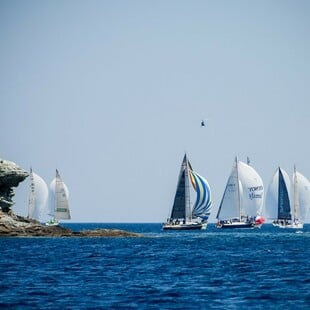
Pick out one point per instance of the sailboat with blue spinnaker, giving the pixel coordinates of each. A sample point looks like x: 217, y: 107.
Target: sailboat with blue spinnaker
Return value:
x: 184, y: 215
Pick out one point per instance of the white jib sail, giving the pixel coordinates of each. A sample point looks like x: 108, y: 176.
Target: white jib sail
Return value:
x: 59, y: 204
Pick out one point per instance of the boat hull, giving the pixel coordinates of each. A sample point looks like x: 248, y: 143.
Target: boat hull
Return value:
x: 238, y: 225
x: 52, y: 223
x: 292, y: 226
x: 187, y: 226
x: 244, y: 222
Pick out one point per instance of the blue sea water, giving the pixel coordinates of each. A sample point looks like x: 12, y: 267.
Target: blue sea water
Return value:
x: 267, y: 268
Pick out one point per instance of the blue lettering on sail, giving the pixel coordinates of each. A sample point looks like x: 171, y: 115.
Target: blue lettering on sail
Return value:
x: 253, y: 192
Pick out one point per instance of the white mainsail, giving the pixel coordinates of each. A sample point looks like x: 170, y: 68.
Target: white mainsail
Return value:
x: 244, y: 193
x: 59, y: 199
x: 296, y: 197
x: 229, y: 207
x: 38, y: 197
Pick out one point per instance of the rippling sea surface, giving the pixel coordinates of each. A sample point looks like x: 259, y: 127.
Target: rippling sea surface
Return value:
x: 267, y: 268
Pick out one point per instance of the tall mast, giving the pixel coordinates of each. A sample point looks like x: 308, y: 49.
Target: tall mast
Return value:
x: 188, y: 213
x: 56, y: 194
x: 279, y: 187
x: 296, y: 196
x: 238, y: 189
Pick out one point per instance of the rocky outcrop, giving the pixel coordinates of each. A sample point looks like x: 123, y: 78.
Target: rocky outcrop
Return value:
x: 10, y: 176
x: 12, y: 225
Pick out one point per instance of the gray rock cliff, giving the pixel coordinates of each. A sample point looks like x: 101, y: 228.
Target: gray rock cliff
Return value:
x: 10, y: 176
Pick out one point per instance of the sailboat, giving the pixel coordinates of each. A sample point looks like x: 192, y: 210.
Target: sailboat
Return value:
x: 303, y: 189
x: 38, y: 197
x: 61, y: 209
x: 278, y: 195
x: 184, y: 215
x: 242, y: 200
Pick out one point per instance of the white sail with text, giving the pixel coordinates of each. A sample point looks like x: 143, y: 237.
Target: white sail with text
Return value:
x: 242, y: 201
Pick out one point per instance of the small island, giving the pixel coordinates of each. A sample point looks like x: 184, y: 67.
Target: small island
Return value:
x: 12, y: 225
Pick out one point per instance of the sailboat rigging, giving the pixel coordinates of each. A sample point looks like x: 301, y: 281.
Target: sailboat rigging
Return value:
x: 183, y: 215
x: 242, y: 200
x: 61, y: 209
x: 288, y: 212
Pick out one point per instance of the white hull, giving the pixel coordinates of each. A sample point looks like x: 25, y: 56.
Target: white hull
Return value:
x: 289, y: 225
x: 245, y: 222
x: 185, y: 226
x: 52, y: 223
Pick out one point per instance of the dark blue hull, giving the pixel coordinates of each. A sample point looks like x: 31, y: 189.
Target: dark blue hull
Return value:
x: 182, y: 226
x: 239, y: 225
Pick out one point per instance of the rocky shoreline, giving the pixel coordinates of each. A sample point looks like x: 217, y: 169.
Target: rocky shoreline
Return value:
x: 12, y: 225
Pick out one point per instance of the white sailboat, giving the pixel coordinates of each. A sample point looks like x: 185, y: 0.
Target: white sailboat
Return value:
x: 38, y: 197
x: 60, y: 206
x: 242, y: 201
x: 288, y: 211
x: 184, y: 215
x: 303, y: 187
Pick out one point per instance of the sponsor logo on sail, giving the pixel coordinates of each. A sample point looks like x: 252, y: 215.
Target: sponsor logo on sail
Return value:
x: 256, y: 192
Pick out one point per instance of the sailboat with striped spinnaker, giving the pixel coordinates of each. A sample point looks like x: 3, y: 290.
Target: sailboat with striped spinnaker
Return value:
x: 184, y: 215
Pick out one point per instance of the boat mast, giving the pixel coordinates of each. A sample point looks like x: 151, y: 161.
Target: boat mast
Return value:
x: 238, y: 189
x: 296, y: 196
x: 56, y: 194
x: 279, y: 193
x: 31, y: 202
x: 188, y: 214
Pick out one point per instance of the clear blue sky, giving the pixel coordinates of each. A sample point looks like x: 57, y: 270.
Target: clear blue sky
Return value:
x: 112, y: 93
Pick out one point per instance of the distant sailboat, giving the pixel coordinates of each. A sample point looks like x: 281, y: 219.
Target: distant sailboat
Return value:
x: 278, y: 195
x: 303, y: 188
x: 61, y: 209
x: 242, y: 200
x: 183, y: 215
x: 38, y: 197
